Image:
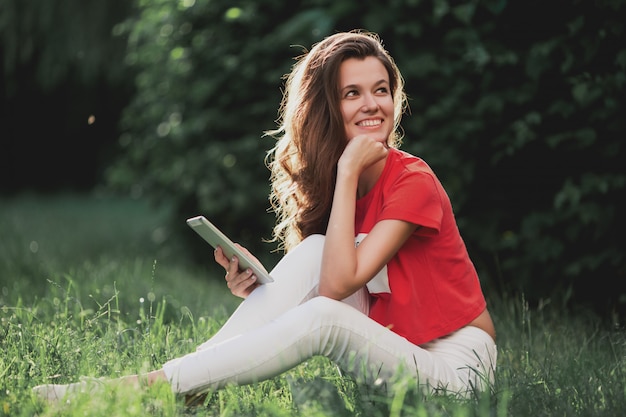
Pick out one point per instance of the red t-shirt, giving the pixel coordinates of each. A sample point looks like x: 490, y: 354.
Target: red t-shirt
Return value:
x: 430, y: 287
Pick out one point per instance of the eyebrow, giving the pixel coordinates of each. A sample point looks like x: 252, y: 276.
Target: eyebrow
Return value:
x: 378, y: 83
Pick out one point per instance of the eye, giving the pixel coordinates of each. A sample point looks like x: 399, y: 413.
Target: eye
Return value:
x: 382, y: 90
x: 351, y: 93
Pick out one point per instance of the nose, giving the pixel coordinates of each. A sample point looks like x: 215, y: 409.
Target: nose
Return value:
x: 369, y: 103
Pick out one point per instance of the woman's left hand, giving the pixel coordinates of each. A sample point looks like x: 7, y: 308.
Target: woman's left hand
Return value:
x: 240, y: 282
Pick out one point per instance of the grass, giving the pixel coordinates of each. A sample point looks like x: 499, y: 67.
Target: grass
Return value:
x: 99, y: 287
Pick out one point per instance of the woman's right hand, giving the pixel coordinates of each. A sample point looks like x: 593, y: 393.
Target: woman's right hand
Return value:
x: 240, y: 283
x: 361, y: 152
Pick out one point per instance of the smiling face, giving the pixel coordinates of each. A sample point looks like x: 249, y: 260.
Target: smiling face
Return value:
x: 365, y: 98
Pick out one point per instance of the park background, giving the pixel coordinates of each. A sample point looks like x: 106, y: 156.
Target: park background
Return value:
x: 518, y: 107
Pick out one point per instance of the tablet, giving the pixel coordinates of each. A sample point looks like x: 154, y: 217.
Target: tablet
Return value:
x: 216, y: 238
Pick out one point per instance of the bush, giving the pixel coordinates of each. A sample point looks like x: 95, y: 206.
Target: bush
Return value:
x: 518, y: 109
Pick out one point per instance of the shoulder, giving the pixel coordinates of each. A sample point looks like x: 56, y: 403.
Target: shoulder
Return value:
x: 406, y: 164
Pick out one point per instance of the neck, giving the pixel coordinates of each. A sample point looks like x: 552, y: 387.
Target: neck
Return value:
x: 368, y: 178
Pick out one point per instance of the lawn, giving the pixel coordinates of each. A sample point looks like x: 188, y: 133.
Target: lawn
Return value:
x: 101, y: 287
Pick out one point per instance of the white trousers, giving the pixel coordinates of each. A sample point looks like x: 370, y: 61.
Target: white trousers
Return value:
x: 284, y: 323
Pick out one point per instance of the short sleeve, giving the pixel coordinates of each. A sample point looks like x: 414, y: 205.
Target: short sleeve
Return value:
x: 415, y: 197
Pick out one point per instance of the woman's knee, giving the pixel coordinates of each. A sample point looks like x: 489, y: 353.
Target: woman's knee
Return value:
x: 302, y: 262
x: 311, y: 243
x: 323, y: 307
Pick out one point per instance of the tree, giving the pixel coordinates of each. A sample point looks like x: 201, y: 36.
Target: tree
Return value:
x: 519, y: 112
x: 63, y: 85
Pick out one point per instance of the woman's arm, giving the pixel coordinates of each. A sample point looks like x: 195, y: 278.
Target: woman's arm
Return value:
x: 380, y: 245
x: 345, y: 268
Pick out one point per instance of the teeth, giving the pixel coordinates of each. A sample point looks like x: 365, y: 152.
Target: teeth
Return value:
x: 368, y: 123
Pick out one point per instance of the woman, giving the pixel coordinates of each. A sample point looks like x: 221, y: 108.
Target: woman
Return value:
x: 376, y: 276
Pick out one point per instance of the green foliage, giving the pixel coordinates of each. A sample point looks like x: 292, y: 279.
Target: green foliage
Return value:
x: 123, y: 248
x: 58, y: 40
x: 92, y: 322
x: 532, y: 369
x: 517, y: 108
x: 63, y: 83
x: 208, y: 85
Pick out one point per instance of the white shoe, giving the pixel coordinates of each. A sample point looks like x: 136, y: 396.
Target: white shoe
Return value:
x: 56, y: 392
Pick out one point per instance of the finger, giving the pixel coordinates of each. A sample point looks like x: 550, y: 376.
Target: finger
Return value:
x: 240, y: 283
x: 243, y: 292
x: 220, y: 258
x: 233, y: 280
x: 233, y: 265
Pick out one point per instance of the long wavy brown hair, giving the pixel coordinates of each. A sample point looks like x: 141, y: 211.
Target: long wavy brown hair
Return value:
x: 311, y: 136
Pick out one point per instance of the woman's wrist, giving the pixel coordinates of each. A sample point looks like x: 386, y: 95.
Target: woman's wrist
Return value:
x: 346, y: 174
